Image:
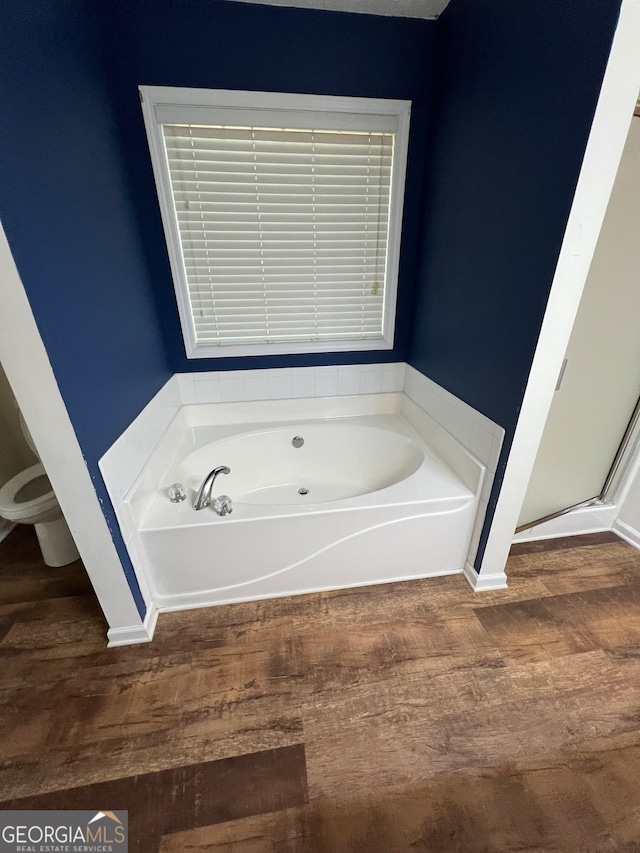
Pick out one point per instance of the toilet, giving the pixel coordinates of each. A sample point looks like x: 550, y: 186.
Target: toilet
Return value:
x: 29, y: 499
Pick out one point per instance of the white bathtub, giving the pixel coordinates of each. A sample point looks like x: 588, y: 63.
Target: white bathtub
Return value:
x: 389, y: 496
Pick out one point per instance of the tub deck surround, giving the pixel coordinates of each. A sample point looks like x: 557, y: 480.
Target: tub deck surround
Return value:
x: 395, y: 498
x: 136, y: 458
x: 481, y: 436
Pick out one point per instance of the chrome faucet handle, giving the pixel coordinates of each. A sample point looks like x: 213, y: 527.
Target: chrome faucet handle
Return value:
x: 223, y: 505
x: 177, y: 493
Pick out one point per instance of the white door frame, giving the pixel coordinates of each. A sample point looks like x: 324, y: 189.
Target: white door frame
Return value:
x: 609, y: 130
x: 26, y: 363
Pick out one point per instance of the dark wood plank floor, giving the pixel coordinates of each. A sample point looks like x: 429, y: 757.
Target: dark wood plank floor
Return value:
x: 408, y: 717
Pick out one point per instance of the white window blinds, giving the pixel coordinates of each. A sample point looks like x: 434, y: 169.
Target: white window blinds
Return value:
x: 283, y: 232
x: 282, y: 214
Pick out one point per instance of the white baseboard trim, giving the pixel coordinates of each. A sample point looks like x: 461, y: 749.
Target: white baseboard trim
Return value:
x: 629, y: 534
x: 135, y: 633
x: 484, y: 582
x: 588, y: 519
x: 5, y: 528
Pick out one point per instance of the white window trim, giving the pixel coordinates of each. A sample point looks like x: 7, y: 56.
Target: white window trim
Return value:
x: 166, y: 104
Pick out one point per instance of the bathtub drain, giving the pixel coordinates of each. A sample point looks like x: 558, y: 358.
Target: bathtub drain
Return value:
x: 303, y: 491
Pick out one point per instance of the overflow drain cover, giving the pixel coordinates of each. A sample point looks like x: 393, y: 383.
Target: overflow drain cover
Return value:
x: 303, y: 491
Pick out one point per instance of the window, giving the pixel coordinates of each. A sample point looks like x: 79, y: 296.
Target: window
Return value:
x: 282, y: 215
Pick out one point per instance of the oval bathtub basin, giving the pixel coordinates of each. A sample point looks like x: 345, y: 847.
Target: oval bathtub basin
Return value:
x: 335, y: 462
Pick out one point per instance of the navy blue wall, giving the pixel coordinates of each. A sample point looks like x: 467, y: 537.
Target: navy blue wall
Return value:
x: 66, y: 209
x: 217, y: 44
x: 517, y: 89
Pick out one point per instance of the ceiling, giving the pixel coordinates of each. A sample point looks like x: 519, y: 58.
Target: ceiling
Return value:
x: 426, y: 9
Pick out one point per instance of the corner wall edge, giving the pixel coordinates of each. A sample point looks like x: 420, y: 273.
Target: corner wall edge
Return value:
x: 626, y: 532
x: 133, y: 634
x: 484, y: 582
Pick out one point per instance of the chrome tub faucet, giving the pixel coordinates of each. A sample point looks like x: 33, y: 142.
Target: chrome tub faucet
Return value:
x: 203, y: 498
